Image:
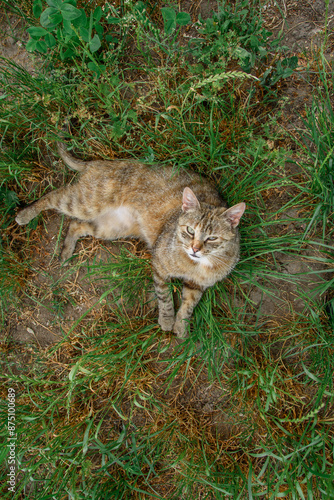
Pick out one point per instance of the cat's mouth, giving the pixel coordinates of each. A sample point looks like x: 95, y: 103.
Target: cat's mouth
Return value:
x: 201, y: 259
x: 194, y: 256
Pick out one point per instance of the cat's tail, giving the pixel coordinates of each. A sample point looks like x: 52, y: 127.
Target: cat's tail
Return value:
x: 71, y: 161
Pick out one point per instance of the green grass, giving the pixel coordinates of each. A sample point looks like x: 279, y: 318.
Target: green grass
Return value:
x: 317, y: 141
x: 243, y: 408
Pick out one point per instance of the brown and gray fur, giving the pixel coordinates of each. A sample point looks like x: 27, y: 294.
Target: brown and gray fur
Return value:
x: 176, y: 214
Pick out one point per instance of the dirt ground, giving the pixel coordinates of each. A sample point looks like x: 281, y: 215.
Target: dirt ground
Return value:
x: 56, y: 296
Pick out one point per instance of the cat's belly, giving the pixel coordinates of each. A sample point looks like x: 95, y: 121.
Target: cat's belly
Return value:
x: 119, y: 222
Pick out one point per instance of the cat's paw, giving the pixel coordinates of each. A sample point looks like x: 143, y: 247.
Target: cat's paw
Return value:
x: 166, y: 323
x: 180, y: 328
x: 65, y: 255
x: 23, y: 217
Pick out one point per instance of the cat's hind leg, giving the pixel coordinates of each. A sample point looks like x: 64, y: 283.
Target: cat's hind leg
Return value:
x: 61, y: 199
x: 27, y: 214
x: 107, y: 226
x: 76, y: 230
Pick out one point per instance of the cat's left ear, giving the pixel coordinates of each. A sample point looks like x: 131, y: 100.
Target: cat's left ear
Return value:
x: 234, y: 214
x: 189, y: 200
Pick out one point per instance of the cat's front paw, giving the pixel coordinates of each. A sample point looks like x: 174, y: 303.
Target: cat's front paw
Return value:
x: 24, y: 216
x: 180, y: 328
x: 166, y: 323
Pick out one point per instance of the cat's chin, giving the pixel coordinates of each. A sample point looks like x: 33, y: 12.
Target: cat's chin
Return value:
x: 202, y: 260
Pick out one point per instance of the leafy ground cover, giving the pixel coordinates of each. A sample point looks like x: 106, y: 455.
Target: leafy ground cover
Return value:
x: 107, y: 405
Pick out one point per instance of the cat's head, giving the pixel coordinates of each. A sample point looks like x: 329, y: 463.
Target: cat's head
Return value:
x: 208, y: 234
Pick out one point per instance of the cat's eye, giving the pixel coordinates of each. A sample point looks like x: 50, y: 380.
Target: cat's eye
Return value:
x: 212, y: 238
x: 191, y: 230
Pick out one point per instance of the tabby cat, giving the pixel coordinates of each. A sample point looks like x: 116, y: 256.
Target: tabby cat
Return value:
x: 190, y: 231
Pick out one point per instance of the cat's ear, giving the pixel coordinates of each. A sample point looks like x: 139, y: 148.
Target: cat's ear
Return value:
x: 234, y: 214
x: 189, y: 200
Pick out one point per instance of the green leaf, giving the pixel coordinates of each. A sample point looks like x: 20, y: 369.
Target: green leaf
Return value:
x: 95, y: 43
x: 262, y: 52
x: 254, y: 42
x: 132, y: 115
x: 45, y: 19
x: 99, y: 30
x: 56, y: 18
x: 242, y: 53
x: 111, y: 39
x: 183, y: 18
x: 69, y: 12
x: 97, y: 14
x: 68, y: 54
x: 287, y: 72
x: 169, y: 17
x: 290, y: 62
x: 50, y: 41
x: 69, y: 38
x: 37, y: 31
x: 56, y: 4
x: 72, y: 2
x: 68, y: 28
x: 85, y: 441
x: 84, y: 33
x: 80, y: 22
x: 41, y: 46
x: 37, y: 8
x: 114, y: 20
x: 31, y: 45
x: 96, y: 68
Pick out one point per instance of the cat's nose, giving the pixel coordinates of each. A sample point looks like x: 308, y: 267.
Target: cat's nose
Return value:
x: 195, y: 249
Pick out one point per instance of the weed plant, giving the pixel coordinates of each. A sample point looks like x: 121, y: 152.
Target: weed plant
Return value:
x: 116, y: 409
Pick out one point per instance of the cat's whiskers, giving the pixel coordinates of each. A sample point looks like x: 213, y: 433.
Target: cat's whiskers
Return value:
x: 220, y: 261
